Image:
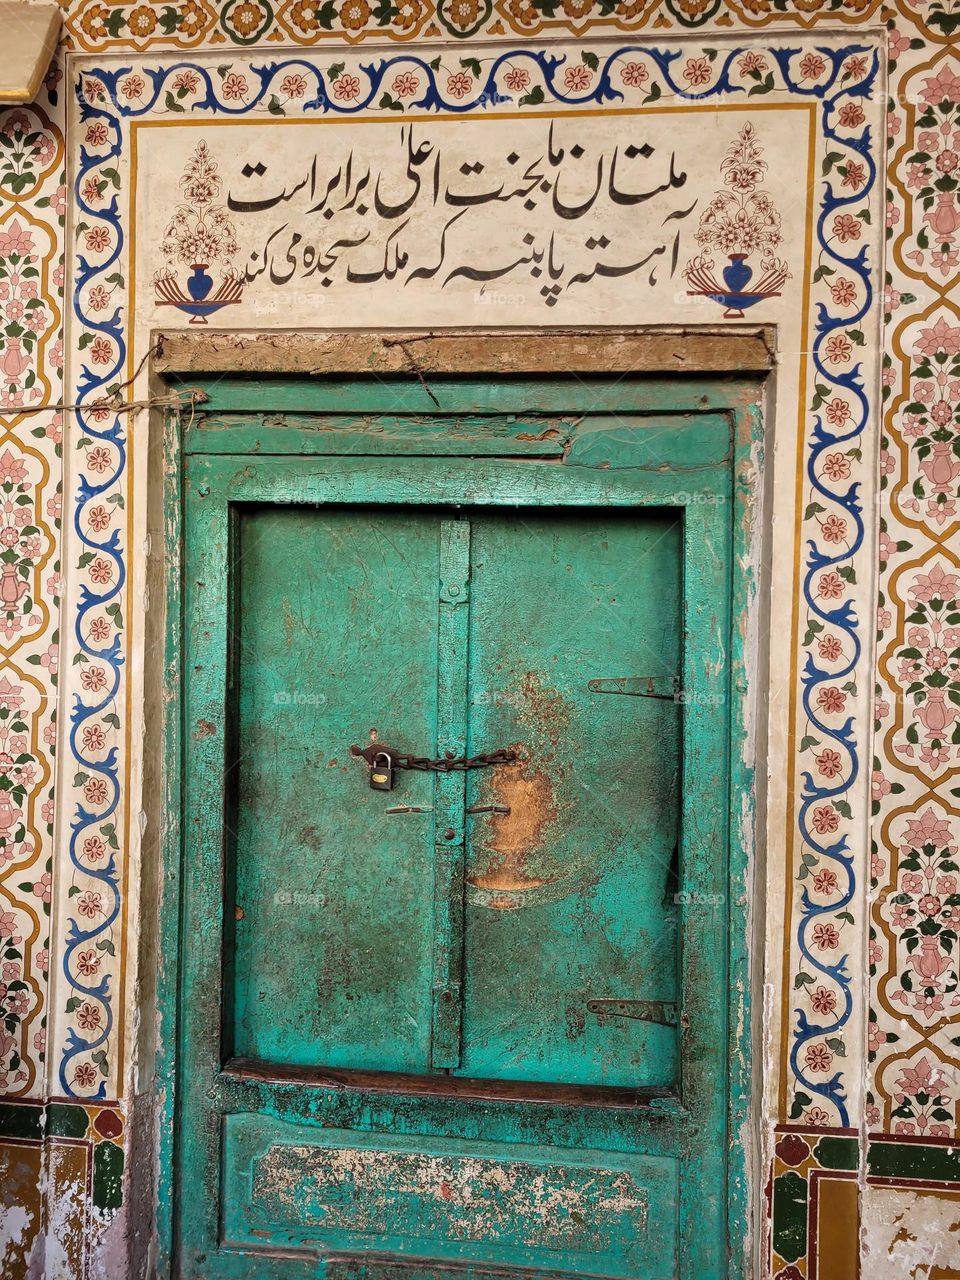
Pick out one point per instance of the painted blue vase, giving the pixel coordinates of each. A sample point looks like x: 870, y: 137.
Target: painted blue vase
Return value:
x: 737, y: 274
x: 199, y: 284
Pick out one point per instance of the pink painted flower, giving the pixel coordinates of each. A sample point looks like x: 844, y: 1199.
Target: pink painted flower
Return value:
x: 834, y: 529
x: 856, y: 66
x: 95, y: 791
x: 851, y: 115
x: 830, y: 586
x: 459, y: 84
x: 750, y: 63
x: 94, y: 738
x: 97, y: 239
x: 831, y: 699
x: 88, y: 962
x: 697, y: 71
x: 84, y: 1075
x: 98, y: 299
x: 843, y: 291
x: 185, y: 82
x: 837, y: 412
x: 100, y: 571
x: 855, y: 175
x: 99, y: 629
x: 818, y: 1057
x: 634, y: 74
x: 825, y: 821
x: 825, y: 881
x: 90, y: 904
x: 234, y: 86
x: 88, y: 1017
x: 846, y: 227
x: 101, y: 351
x: 825, y: 936
x: 96, y: 135
x: 836, y: 466
x: 829, y: 648
x: 943, y: 87
x: 823, y: 1000
x: 812, y: 66
x: 99, y: 459
x: 935, y: 585
x: 838, y: 348
x: 93, y: 679
x: 406, y: 84
x: 42, y: 887
x: 577, y: 78
x: 346, y: 88
x: 16, y: 239
x: 98, y: 518
x: 293, y: 86
x: 94, y: 848
x: 939, y: 337
x: 132, y: 87
x: 828, y: 763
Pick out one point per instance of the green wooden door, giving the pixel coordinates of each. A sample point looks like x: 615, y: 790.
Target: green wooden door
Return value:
x: 474, y: 1026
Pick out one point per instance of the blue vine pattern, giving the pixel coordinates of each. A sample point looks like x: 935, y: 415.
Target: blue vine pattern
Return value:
x: 110, y: 106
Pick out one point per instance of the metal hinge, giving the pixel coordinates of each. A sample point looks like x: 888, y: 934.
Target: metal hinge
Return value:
x: 666, y: 688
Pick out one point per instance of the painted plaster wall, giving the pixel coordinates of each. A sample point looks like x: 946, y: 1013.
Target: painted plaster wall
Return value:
x: 848, y: 1054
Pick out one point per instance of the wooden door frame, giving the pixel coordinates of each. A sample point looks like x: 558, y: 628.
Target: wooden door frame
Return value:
x: 666, y: 359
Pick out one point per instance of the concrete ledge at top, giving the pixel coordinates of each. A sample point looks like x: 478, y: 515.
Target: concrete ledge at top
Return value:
x: 29, y: 40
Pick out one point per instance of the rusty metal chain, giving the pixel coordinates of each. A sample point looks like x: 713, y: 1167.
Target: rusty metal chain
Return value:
x: 449, y: 763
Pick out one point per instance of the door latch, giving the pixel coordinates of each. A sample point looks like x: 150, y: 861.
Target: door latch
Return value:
x: 663, y: 1012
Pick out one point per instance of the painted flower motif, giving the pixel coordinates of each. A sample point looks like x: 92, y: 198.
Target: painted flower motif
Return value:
x: 406, y: 84
x: 95, y: 791
x: 823, y: 1000
x: 99, y: 629
x: 634, y: 74
x: 98, y: 299
x: 825, y: 880
x: 346, y: 88
x: 837, y: 412
x: 818, y: 1057
x: 185, y: 82
x: 90, y: 904
x: 846, y: 227
x: 293, y: 86
x: 751, y: 63
x: 830, y: 586
x: 459, y: 84
x: 854, y: 176
x: 831, y: 699
x: 836, y: 466
x: 88, y: 962
x: 354, y: 15
x: 838, y: 348
x: 94, y: 739
x: 944, y: 87
x: 97, y: 239
x: 851, y: 115
x: 834, y: 529
x: 824, y: 823
x: 100, y: 571
x: 93, y: 679
x: 132, y: 86
x: 94, y: 848
x: 98, y: 518
x: 234, y: 86
x: 825, y: 936
x: 89, y: 1016
x: 828, y: 763
x: 101, y: 351
x: 84, y: 1075
x: 812, y: 66
x: 577, y: 78
x: 99, y: 459
x: 96, y: 134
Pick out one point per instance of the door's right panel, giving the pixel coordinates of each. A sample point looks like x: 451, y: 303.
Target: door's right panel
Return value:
x: 570, y: 896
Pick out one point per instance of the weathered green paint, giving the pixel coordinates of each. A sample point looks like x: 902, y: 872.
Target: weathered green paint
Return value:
x: 363, y: 550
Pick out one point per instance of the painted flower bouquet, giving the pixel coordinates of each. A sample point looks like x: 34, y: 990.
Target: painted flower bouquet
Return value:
x: 738, y: 222
x: 199, y: 234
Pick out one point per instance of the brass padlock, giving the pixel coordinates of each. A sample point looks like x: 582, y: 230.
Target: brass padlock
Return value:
x: 381, y: 771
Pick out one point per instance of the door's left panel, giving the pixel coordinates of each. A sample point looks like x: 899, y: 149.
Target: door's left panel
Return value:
x: 328, y: 910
